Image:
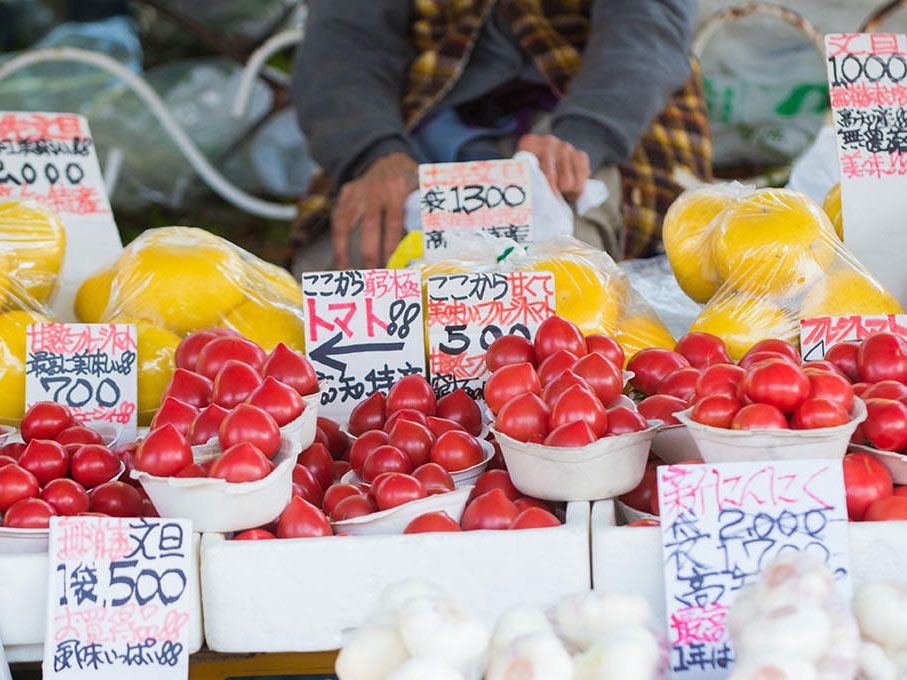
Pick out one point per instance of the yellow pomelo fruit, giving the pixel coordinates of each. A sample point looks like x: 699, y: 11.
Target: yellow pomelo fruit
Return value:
x: 848, y: 291
x: 180, y: 279
x: 410, y: 249
x: 12, y: 362
x: 773, y: 242
x: 268, y: 324
x: 688, y: 232
x: 276, y: 281
x: 93, y: 295
x: 832, y: 207
x: 35, y: 239
x: 156, y: 349
x: 742, y: 320
x: 635, y: 333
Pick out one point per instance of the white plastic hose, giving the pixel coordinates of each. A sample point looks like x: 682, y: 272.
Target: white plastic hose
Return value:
x: 275, y: 43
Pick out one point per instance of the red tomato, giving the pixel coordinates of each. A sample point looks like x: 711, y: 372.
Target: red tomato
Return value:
x: 527, y: 502
x: 213, y: 356
x: 78, y: 434
x: 887, y: 389
x: 886, y: 424
x: 556, y: 333
x: 751, y: 360
x: 16, y: 483
x: 602, y: 376
x: 561, y: 384
x: 703, y: 350
x: 439, y: 426
x: 317, y: 459
x: 254, y: 535
x: 67, y: 496
x: 186, y: 356
x: 340, y: 468
x: 338, y: 441
x: 719, y: 379
x: 29, y: 513
x: 301, y: 519
x: 507, y: 350
x: 94, y: 464
x: 845, y: 355
x: 234, y: 382
x: 45, y: 459
x: 884, y: 509
x: 281, y: 401
x: 570, y: 435
x: 497, y: 460
x: 822, y: 365
x: 495, y: 479
x: 681, y: 384
x: 367, y: 415
x: 306, y: 486
x: 162, y: 453
x: 241, y: 463
x: 434, y: 478
x: 578, y: 404
x: 817, y: 413
x: 860, y: 389
x: 883, y: 356
x: 192, y: 471
x: 412, y: 391
x: 640, y: 498
x: 523, y: 416
x: 413, y: 439
x: 177, y: 413
x: 651, y: 365
x: 433, y: 521
x: 396, y: 488
x: 778, y: 383
x: 116, y: 499
x: 491, y: 510
x: 364, y: 445
x: 778, y: 346
x: 759, y: 417
x: 661, y: 407
x: 455, y: 451
x: 8, y: 460
x: 385, y: 458
x: 409, y: 414
x: 206, y: 424
x: 900, y: 491
x: 622, y: 420
x: 508, y: 382
x: 534, y: 518
x: 866, y: 480
x: 189, y: 387
x: 717, y: 410
x: 45, y: 420
x: 336, y: 493
x: 646, y: 522
x: 833, y: 387
x: 463, y: 409
x: 14, y: 450
x: 557, y: 363
x: 291, y: 368
x: 353, y: 506
x: 247, y: 423
x: 607, y: 346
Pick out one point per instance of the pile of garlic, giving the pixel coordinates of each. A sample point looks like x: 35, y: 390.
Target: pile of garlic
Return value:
x: 418, y: 634
x: 881, y: 612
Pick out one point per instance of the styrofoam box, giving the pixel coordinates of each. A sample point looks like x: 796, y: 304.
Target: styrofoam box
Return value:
x: 628, y: 559
x: 23, y: 604
x: 318, y: 589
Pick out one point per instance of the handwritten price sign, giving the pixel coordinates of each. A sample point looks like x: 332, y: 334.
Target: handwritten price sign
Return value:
x: 117, y: 598
x: 722, y: 525
x: 89, y: 367
x: 363, y: 332
x: 491, y: 196
x: 467, y: 312
x: 818, y: 335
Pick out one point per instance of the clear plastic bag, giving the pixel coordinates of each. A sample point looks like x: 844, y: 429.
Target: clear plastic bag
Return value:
x: 34, y: 242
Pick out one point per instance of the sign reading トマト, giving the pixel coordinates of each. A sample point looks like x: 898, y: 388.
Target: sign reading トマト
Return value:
x: 118, y: 599
x: 722, y: 525
x: 91, y: 368
x: 490, y: 196
x: 363, y: 332
x: 468, y: 312
x: 819, y: 334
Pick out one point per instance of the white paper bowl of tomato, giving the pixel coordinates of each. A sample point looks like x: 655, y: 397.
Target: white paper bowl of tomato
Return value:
x: 395, y: 520
x: 720, y: 445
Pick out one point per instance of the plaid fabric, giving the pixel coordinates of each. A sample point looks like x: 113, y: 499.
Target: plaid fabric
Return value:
x: 553, y: 33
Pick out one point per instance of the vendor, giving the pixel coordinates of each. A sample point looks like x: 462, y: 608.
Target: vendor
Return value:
x: 599, y: 88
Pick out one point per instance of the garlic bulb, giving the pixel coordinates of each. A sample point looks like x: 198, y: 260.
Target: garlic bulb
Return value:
x: 438, y: 629
x: 371, y: 654
x: 773, y: 666
x: 793, y: 630
x: 874, y: 664
x: 425, y: 669
x: 881, y: 611
x: 537, y: 656
x: 583, y: 618
x: 517, y: 621
x: 398, y: 595
x: 623, y: 653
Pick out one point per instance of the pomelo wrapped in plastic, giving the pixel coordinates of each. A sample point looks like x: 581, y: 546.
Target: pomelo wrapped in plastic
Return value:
x: 172, y: 281
x: 33, y: 242
x: 769, y: 257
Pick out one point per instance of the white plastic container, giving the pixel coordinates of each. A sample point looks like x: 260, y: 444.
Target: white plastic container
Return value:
x: 301, y: 595
x: 717, y: 445
x: 673, y: 443
x: 630, y: 514
x: 895, y: 462
x: 605, y: 468
x: 395, y: 520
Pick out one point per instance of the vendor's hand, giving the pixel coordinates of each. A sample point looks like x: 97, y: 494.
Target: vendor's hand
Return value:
x: 566, y: 168
x: 375, y: 199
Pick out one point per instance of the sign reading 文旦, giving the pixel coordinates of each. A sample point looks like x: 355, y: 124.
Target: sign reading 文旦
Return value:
x: 722, y: 525
x: 468, y: 312
x: 363, y: 332
x: 118, y: 598
x: 819, y: 334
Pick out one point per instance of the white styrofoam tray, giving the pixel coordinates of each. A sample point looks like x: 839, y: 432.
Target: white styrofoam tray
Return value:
x: 317, y: 589
x: 23, y: 604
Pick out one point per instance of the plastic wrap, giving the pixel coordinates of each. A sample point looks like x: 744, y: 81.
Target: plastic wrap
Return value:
x: 33, y: 242
x: 832, y: 207
x: 172, y: 281
x: 776, y: 259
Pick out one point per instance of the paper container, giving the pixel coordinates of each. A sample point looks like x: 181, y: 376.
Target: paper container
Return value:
x: 395, y: 520
x: 717, y: 445
x: 673, y: 443
x: 630, y: 514
x: 606, y: 468
x: 894, y: 461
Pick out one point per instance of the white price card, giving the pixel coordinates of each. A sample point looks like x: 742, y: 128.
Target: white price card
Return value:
x: 468, y: 312
x: 867, y: 75
x: 489, y: 196
x: 117, y: 599
x: 819, y: 334
x: 722, y: 525
x: 91, y: 368
x: 51, y: 158
x: 364, y: 331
